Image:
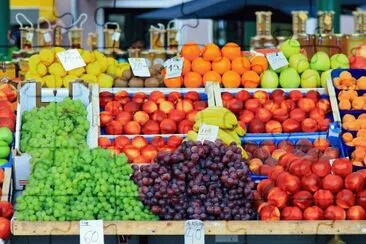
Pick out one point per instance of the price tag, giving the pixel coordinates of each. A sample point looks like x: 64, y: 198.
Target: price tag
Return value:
x: 139, y: 67
x: 173, y: 67
x: 194, y: 232
x: 29, y: 36
x: 116, y: 35
x: 47, y: 37
x: 71, y: 59
x: 91, y: 232
x: 277, y: 60
x: 207, y: 132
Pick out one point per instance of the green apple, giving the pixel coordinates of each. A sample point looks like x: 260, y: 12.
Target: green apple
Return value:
x: 6, y: 135
x: 3, y: 161
x: 299, y: 62
x: 4, y: 151
x: 269, y: 79
x: 290, y: 47
x: 310, y: 79
x: 320, y: 61
x: 289, y: 78
x: 324, y: 77
x: 339, y: 61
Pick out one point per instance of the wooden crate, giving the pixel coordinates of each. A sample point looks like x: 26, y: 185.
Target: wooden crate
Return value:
x: 321, y: 227
x: 7, y: 188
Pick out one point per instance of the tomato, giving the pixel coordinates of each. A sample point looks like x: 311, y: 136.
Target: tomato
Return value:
x: 4, y: 228
x: 302, y: 199
x: 313, y: 213
x: 321, y: 168
x: 6, y: 209
x: 354, y: 182
x: 323, y: 198
x: 342, y: 167
x: 335, y: 213
x: 334, y: 183
x: 311, y: 182
x: 291, y: 213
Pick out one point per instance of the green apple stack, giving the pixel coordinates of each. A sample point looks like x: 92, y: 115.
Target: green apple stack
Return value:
x: 6, y: 138
x: 300, y: 72
x: 69, y: 181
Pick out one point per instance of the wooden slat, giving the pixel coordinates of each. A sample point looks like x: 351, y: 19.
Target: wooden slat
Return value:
x: 7, y: 185
x: 211, y: 228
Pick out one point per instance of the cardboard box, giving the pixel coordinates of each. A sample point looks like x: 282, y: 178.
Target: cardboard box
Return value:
x: 31, y: 95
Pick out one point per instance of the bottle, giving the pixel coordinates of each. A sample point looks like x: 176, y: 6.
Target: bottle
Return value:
x: 323, y: 40
x: 306, y: 41
x: 358, y: 37
x: 264, y: 38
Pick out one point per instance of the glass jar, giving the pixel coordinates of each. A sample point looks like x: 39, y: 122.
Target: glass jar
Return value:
x: 75, y: 37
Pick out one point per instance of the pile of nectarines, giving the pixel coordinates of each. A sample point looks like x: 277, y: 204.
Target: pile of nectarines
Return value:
x: 349, y: 99
x: 149, y: 114
x: 277, y: 112
x: 139, y: 149
x: 347, y: 81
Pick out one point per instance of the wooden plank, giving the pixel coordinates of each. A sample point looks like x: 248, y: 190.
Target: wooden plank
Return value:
x: 211, y: 228
x: 6, y: 191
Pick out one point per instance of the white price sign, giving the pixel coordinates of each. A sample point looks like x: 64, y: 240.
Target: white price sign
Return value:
x: 173, y: 67
x: 115, y: 36
x: 207, y: 133
x: 194, y: 232
x: 277, y: 60
x: 139, y: 67
x: 47, y: 37
x: 29, y: 36
x: 71, y: 59
x: 91, y: 232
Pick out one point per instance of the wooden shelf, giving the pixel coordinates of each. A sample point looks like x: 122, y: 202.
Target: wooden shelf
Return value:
x: 20, y: 228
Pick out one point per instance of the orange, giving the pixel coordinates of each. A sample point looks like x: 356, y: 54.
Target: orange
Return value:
x: 201, y: 66
x: 250, y: 79
x: 240, y: 65
x: 347, y: 137
x: 221, y: 65
x: 210, y: 52
x: 231, y: 51
x: 231, y: 79
x: 190, y: 51
x: 175, y: 82
x: 348, y: 118
x: 211, y: 76
x: 186, y: 66
x: 259, y: 64
x: 192, y: 80
x: 361, y: 83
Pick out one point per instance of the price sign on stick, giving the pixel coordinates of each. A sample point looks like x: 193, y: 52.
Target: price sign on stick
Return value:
x: 71, y: 59
x: 173, y: 67
x: 91, y: 232
x: 29, y: 36
x: 115, y: 36
x: 277, y: 60
x: 139, y: 67
x: 194, y: 232
x: 207, y: 132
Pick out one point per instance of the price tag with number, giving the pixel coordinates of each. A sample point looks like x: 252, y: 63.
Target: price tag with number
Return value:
x: 194, y: 232
x: 29, y: 36
x: 115, y: 36
x: 139, y: 67
x: 173, y: 67
x: 277, y: 60
x: 71, y: 59
x: 91, y: 232
x: 207, y: 132
x: 47, y: 37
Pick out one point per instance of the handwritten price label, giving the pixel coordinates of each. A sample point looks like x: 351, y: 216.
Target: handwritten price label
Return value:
x: 71, y: 59
x: 207, y: 133
x: 115, y: 36
x: 91, y: 232
x: 47, y: 37
x: 173, y: 67
x: 139, y: 67
x: 29, y: 36
x: 277, y: 60
x: 194, y: 232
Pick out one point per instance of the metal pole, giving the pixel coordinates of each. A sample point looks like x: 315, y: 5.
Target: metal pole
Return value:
x: 4, y: 27
x: 331, y: 5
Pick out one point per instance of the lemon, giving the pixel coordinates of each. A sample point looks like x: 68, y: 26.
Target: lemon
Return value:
x: 105, y: 81
x: 33, y: 62
x: 58, y: 49
x: 111, y: 61
x: 47, y: 56
x: 77, y: 72
x: 87, y: 56
x: 32, y: 76
x: 111, y: 70
x: 67, y: 79
x: 52, y: 81
x: 89, y: 78
x: 41, y: 69
x: 93, y: 68
x: 57, y: 69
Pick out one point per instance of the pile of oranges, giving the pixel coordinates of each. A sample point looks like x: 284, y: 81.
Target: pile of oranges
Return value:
x: 347, y: 81
x: 226, y: 65
x: 349, y: 99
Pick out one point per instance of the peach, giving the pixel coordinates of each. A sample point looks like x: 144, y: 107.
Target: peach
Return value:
x: 139, y: 97
x: 174, y: 97
x: 176, y: 115
x: 157, y: 141
x: 273, y: 126
x: 358, y: 103
x: 121, y: 141
x: 131, y: 107
x: 174, y: 141
x: 141, y: 117
x: 243, y: 95
x: 122, y: 97
x: 149, y: 153
x: 168, y: 126
x: 192, y: 96
x: 104, y: 142
x: 289, y: 183
x: 345, y: 199
x: 280, y: 114
x: 313, y: 213
x: 264, y: 187
x: 261, y: 153
x: 266, y: 167
x: 139, y: 142
x: 139, y: 160
x: 306, y: 104
x: 356, y: 213
x: 113, y: 107
x: 256, y: 126
x: 276, y: 154
x: 104, y: 98
x: 302, y: 199
x: 291, y: 213
x: 124, y: 117
x: 269, y: 212
x: 149, y: 107
x: 250, y: 146
x: 354, y: 182
x: 278, y: 96
x: 185, y: 106
x: 151, y: 127
x: 114, y: 128
x: 314, y: 95
x: 158, y: 116
x: 246, y: 116
x: 295, y: 95
x: 262, y: 96
x: 105, y: 117
x: 166, y: 106
x: 254, y: 165
x: 166, y: 148
x: 335, y: 213
x: 271, y: 106
x: 323, y: 125
x: 199, y: 105
x: 344, y: 105
x: 309, y: 125
x: 324, y: 105
x: 278, y: 197
x: 291, y: 125
x: 298, y: 114
x: 132, y: 128
x: 131, y: 152
x: 184, y: 126
x: 323, y: 198
x: 332, y: 152
x: 157, y: 97
x: 275, y: 172
x: 226, y: 96
x: 317, y: 114
x: 310, y: 182
x: 252, y: 104
x: 191, y: 116
x: 268, y: 145
x: 321, y: 143
x: 263, y: 115
x: 288, y: 104
x: 234, y: 105
x: 114, y: 150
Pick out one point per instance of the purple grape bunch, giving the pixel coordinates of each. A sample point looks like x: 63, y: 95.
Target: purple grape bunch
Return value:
x: 206, y: 181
